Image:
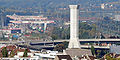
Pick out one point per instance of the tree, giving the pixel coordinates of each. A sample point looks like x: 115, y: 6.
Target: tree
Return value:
x: 60, y: 47
x: 4, y: 52
x: 111, y: 58
x: 108, y: 58
x: 65, y: 44
x: 93, y: 50
x: 54, y: 37
x: 98, y: 53
x: 25, y: 53
x: 102, y: 36
x: 12, y: 54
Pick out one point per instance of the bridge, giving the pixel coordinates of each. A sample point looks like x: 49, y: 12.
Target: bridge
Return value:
x: 91, y: 40
x: 39, y: 42
x: 60, y: 40
x: 39, y: 47
x: 95, y: 46
x: 81, y: 40
x: 67, y: 40
x: 11, y: 42
x: 83, y: 47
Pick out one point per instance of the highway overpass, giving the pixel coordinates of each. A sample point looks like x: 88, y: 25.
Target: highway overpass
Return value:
x: 81, y: 40
x: 96, y: 47
x: 95, y: 40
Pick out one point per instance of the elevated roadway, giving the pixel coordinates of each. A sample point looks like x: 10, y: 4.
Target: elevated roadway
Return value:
x: 81, y: 40
x: 55, y: 41
x: 11, y: 42
x: 97, y: 47
x: 95, y: 40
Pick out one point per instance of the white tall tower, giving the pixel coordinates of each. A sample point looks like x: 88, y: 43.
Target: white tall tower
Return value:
x: 74, y: 27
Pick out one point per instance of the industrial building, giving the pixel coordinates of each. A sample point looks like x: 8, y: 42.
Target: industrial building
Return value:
x: 29, y: 23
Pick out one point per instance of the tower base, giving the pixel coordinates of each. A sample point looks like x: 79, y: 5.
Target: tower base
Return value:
x: 77, y: 52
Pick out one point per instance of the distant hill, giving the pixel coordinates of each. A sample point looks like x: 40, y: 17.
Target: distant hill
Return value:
x: 48, y: 3
x: 14, y: 6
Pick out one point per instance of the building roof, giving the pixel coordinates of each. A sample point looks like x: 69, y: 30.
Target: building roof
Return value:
x: 9, y: 48
x: 21, y: 50
x: 14, y: 48
x: 18, y: 17
x: 87, y: 57
x: 67, y: 57
x: 78, y: 52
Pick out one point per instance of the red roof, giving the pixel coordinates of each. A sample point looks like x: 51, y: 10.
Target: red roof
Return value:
x: 10, y: 47
x: 13, y: 48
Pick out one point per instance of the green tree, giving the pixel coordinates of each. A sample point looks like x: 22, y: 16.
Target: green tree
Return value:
x: 98, y: 53
x: 59, y: 47
x: 54, y: 37
x: 65, y: 44
x: 102, y: 36
x: 4, y: 52
x: 12, y: 54
x: 110, y: 58
x: 25, y: 53
x: 66, y: 33
x: 93, y: 50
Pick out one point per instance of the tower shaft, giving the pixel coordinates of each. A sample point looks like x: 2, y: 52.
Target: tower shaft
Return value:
x: 74, y: 27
